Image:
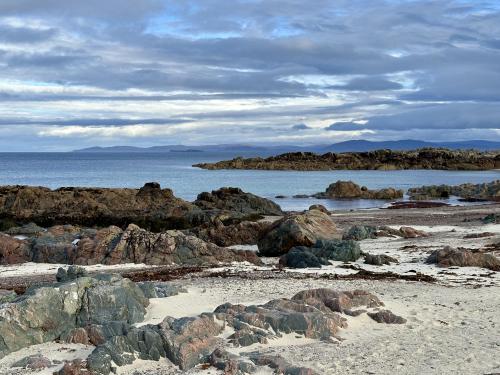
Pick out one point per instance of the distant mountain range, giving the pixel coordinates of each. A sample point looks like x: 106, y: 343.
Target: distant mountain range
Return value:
x: 347, y: 146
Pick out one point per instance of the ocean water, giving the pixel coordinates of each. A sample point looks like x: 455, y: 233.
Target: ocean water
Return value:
x: 174, y: 170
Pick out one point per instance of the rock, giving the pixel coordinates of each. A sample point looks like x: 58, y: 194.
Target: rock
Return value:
x: 29, y: 229
x: 279, y: 365
x: 150, y: 206
x: 319, y: 207
x: 379, y: 259
x: 160, y: 289
x: 449, y: 257
x: 34, y: 362
x: 13, y: 250
x: 297, y: 230
x: 415, y: 204
x: 491, y: 219
x: 185, y: 341
x: 321, y: 253
x: 76, y: 336
x: 188, y: 342
x: 111, y: 245
x: 229, y: 234
x: 75, y: 367
x: 409, y: 232
x: 338, y: 250
x: 479, y: 235
x: 470, y: 192
x: 235, y: 200
x: 425, y: 158
x: 46, y: 313
x: 7, y: 296
x: 72, y: 273
x: 301, y: 257
x: 386, y: 316
x: 349, y: 190
x: 362, y: 232
x: 231, y: 364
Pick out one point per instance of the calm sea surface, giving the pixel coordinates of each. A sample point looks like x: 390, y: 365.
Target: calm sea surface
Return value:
x: 173, y: 170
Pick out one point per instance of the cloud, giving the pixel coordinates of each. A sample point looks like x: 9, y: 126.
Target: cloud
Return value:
x: 301, y: 127
x: 120, y: 69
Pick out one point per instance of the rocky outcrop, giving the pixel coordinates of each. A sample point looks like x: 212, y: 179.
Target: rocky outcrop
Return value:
x: 297, y: 230
x: 235, y: 200
x: 449, y: 257
x: 350, y: 190
x: 315, y: 314
x: 149, y: 206
x: 427, y: 158
x: 363, y: 232
x: 486, y: 191
x: 229, y: 234
x: 44, y: 314
x: 73, y: 245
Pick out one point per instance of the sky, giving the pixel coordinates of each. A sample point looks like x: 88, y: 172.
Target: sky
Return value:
x: 75, y: 73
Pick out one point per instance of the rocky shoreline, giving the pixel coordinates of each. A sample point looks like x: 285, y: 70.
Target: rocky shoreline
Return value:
x: 429, y: 158
x: 241, y: 288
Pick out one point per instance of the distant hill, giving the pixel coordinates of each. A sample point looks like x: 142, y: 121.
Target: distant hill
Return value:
x: 347, y: 146
x: 408, y: 144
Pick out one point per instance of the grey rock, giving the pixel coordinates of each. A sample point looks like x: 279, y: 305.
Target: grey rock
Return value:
x: 297, y: 230
x: 72, y: 273
x: 379, y: 259
x: 33, y: 362
x: 387, y: 317
x: 46, y: 313
x: 302, y: 257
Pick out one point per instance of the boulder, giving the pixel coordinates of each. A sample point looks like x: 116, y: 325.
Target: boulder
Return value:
x: 363, y: 232
x: 360, y: 232
x: 13, y: 250
x: 387, y: 317
x: 297, y: 230
x: 449, y: 257
x: 75, y: 367
x: 236, y: 200
x: 379, y: 259
x: 302, y: 257
x: 350, y: 190
x: 46, y: 313
x: 319, y: 207
x: 338, y: 250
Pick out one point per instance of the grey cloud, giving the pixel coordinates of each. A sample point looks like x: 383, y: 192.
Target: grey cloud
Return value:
x: 369, y: 84
x: 10, y: 34
x: 301, y: 127
x: 345, y: 126
x: 407, y: 65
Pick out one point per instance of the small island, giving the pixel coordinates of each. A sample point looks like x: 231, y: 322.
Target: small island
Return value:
x: 426, y: 158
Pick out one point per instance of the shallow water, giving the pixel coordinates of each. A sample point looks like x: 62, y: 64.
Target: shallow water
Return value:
x: 174, y: 170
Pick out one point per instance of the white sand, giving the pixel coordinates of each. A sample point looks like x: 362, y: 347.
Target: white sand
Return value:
x: 14, y: 270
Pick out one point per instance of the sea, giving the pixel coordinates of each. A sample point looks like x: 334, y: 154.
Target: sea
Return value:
x: 175, y: 171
